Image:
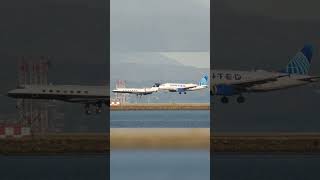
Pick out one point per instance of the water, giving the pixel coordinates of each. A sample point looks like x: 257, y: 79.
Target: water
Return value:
x: 147, y: 119
x: 160, y: 165
x: 265, y: 167
x: 54, y: 167
x: 139, y: 165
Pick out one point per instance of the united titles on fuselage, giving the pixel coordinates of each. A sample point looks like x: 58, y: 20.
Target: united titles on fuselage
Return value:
x: 227, y: 76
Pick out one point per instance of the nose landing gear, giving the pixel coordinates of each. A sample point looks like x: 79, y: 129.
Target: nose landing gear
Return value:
x: 240, y: 99
x: 87, y: 109
x: 224, y: 100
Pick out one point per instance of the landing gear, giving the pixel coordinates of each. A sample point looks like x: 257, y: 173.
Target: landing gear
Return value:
x: 224, y: 100
x: 139, y: 96
x: 98, y: 110
x: 87, y: 109
x: 179, y: 92
x: 98, y: 107
x: 240, y: 99
x: 185, y: 92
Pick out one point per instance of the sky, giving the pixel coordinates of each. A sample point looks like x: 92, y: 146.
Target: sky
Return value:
x: 195, y: 59
x: 285, y: 9
x: 166, y: 25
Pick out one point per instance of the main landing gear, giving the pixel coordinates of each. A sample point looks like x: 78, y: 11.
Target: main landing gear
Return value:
x: 240, y: 99
x: 183, y: 92
x: 224, y: 100
x: 98, y: 108
x: 87, y: 109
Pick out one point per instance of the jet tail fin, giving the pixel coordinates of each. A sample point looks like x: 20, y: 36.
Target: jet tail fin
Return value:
x: 300, y: 63
x: 204, y: 80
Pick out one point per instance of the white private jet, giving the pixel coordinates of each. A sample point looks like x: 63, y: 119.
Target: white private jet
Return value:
x: 87, y: 95
x: 229, y: 82
x: 183, y: 88
x: 138, y: 91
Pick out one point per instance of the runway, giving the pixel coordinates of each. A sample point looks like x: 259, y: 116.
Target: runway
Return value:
x: 162, y: 138
x: 160, y: 106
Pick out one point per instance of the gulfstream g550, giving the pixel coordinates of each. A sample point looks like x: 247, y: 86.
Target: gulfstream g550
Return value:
x: 226, y: 83
x: 87, y: 95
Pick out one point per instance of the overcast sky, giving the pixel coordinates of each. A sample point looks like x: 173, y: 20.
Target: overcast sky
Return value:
x: 166, y: 25
x: 285, y: 9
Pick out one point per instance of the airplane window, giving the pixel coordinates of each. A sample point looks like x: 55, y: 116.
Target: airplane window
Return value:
x: 57, y: 91
x: 86, y: 92
x: 43, y: 90
x: 65, y: 91
x: 50, y: 90
x: 71, y: 91
x: 78, y: 91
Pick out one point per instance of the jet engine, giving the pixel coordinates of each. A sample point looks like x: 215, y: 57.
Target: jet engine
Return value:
x: 224, y: 90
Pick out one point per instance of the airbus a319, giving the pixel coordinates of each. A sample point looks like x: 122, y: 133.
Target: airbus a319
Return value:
x: 227, y: 83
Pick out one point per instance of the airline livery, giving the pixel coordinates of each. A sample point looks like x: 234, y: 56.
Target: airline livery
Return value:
x: 87, y: 95
x: 227, y: 83
x: 183, y: 88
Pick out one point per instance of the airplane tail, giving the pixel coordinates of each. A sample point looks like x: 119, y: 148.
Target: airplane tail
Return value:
x: 203, y: 80
x: 300, y: 63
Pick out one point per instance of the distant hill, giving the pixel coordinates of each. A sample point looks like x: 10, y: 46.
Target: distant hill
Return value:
x: 140, y: 67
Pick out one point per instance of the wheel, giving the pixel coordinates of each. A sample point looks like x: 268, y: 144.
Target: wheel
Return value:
x: 240, y: 99
x: 224, y: 100
x: 87, y: 109
x: 179, y: 92
x: 88, y: 112
x: 98, y: 110
x: 185, y: 92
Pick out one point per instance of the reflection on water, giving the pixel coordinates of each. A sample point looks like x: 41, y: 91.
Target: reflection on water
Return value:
x: 260, y: 166
x: 54, y: 167
x: 195, y: 119
x: 160, y: 165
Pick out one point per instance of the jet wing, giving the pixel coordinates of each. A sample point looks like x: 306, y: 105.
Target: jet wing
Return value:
x: 87, y: 100
x: 246, y: 84
x: 183, y: 89
x: 311, y: 79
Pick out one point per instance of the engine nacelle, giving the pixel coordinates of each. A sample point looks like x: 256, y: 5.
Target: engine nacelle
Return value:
x: 224, y: 90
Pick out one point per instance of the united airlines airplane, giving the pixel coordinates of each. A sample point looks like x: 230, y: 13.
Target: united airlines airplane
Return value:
x: 183, y: 88
x: 228, y: 83
x: 87, y: 95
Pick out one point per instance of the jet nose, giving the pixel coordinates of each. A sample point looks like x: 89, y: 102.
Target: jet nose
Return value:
x: 10, y: 94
